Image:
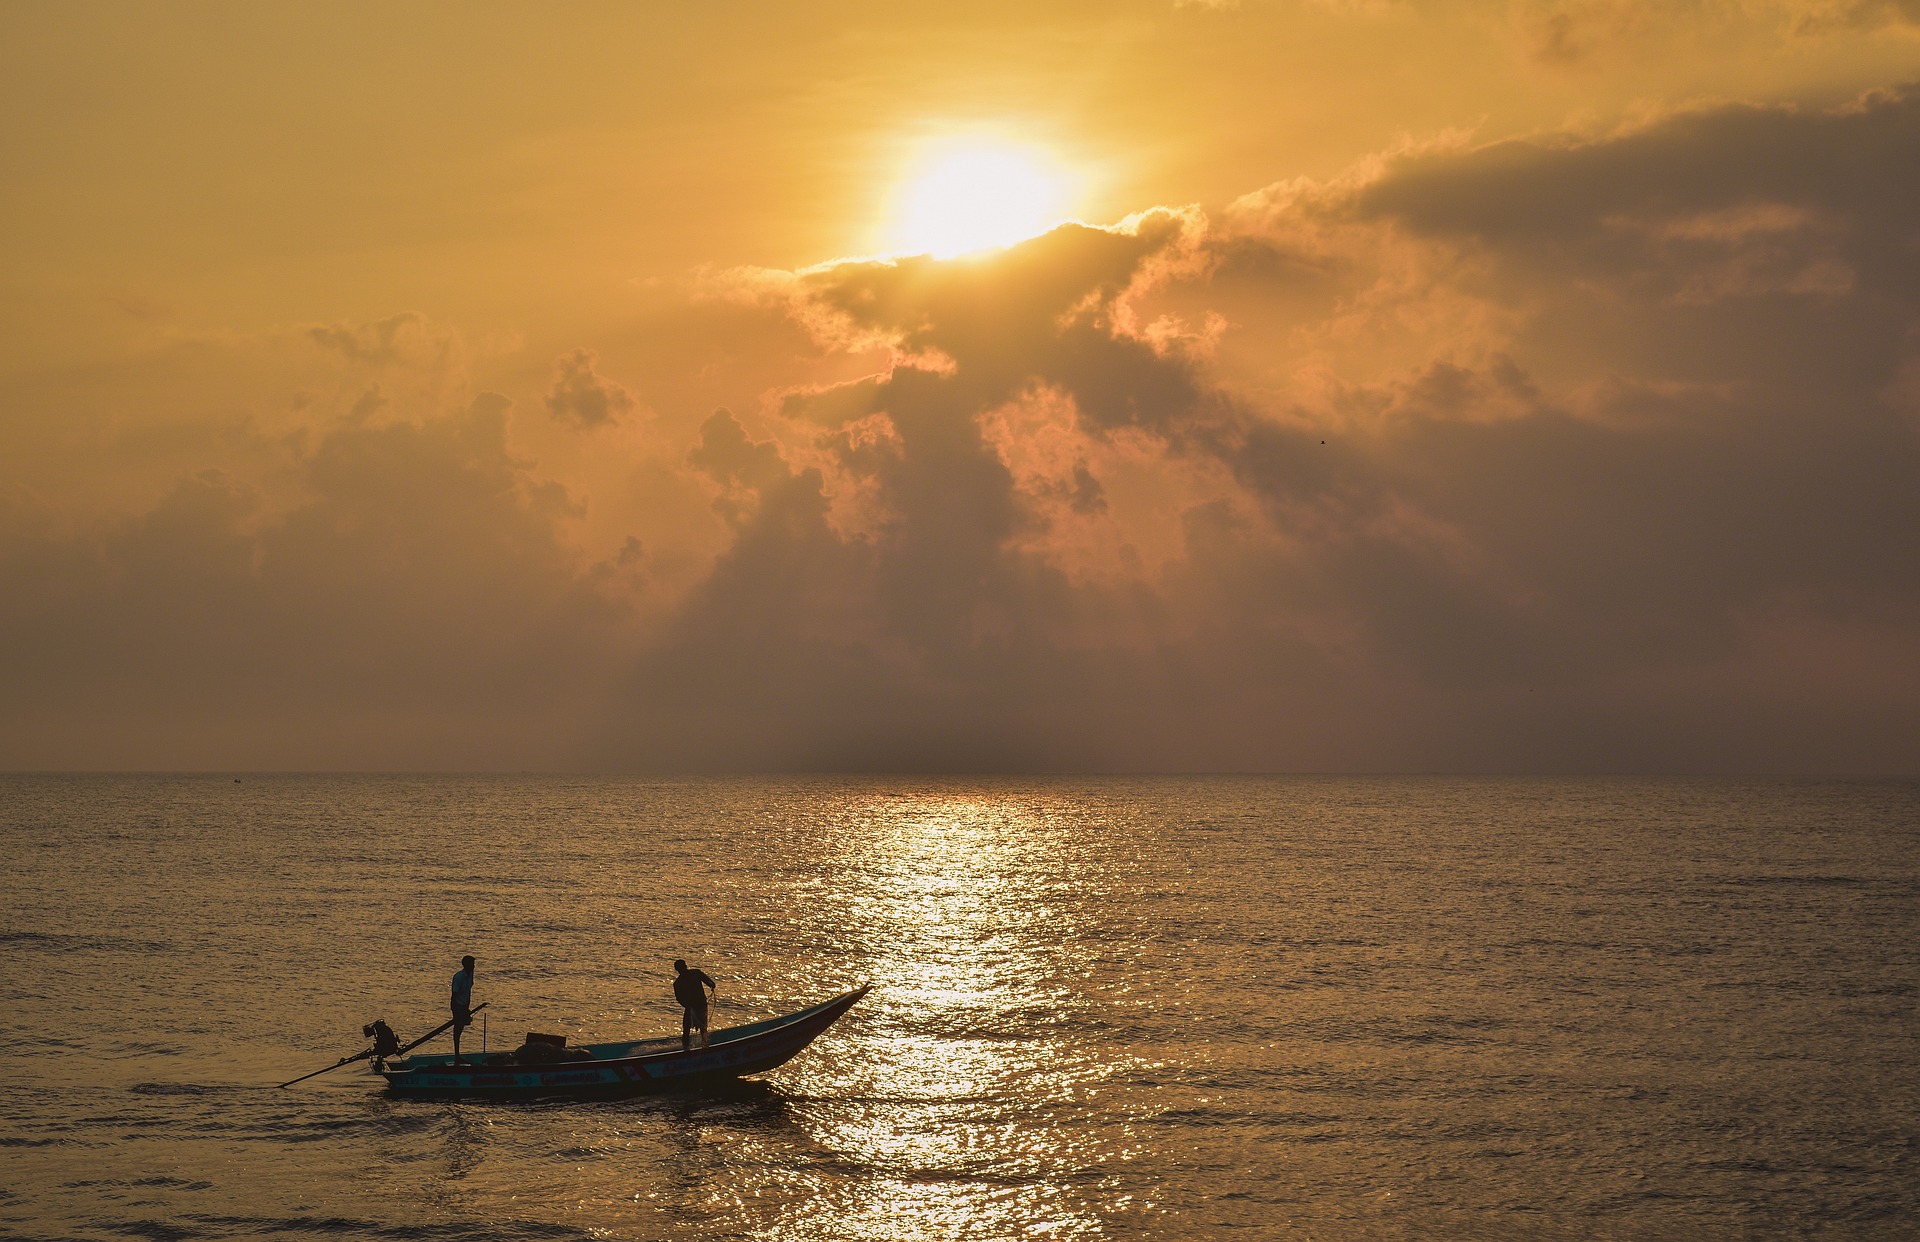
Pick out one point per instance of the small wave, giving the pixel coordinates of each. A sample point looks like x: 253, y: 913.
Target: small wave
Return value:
x: 158, y: 1230
x: 1208, y: 1116
x: 337, y: 1226
x: 43, y: 1043
x: 1742, y: 1164
x: 143, y: 1048
x: 302, y: 1129
x: 56, y: 942
x: 177, y: 1088
x: 127, y: 1121
x: 896, y: 1099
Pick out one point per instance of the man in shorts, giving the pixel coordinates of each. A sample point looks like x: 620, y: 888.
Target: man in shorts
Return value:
x: 690, y: 988
x: 462, y: 1002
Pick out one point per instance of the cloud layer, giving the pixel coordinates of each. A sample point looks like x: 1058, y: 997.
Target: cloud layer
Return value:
x: 1568, y: 454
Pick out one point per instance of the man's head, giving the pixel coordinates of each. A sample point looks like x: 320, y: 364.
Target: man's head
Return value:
x: 679, y: 965
x: 466, y: 963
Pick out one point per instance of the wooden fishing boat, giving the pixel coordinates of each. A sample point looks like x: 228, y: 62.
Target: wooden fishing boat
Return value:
x: 627, y: 1068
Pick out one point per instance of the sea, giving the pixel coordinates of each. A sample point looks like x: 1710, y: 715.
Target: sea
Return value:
x: 1141, y: 1008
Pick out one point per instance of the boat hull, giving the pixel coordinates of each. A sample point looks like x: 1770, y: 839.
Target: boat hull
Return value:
x: 635, y: 1068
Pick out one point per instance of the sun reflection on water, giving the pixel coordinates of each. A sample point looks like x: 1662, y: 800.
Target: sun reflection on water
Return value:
x: 948, y: 899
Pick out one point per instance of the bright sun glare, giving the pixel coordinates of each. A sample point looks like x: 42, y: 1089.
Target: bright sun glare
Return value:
x: 958, y: 199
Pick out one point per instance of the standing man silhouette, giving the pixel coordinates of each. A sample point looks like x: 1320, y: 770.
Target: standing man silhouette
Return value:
x: 462, y: 1002
x: 690, y: 988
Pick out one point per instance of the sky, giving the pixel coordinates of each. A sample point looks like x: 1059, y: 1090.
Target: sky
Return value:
x: 1278, y: 386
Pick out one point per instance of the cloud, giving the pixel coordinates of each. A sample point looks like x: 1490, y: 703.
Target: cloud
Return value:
x: 1579, y: 438
x: 1574, y: 34
x: 1721, y: 300
x: 380, y: 341
x: 401, y: 613
x: 1568, y: 32
x: 1578, y: 453
x: 1814, y: 16
x: 584, y: 396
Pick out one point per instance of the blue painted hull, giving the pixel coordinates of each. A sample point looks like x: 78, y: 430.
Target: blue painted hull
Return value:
x: 631, y: 1068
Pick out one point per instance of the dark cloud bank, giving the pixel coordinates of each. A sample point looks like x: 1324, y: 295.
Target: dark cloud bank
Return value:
x: 1550, y: 456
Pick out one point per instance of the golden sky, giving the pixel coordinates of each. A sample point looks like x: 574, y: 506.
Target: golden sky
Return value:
x: 1360, y: 385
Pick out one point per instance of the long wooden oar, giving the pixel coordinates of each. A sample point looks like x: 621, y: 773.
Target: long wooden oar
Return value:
x: 358, y: 1056
x: 364, y: 1053
x: 442, y: 1029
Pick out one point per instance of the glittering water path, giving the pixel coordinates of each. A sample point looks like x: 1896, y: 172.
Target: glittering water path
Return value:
x: 1368, y: 1008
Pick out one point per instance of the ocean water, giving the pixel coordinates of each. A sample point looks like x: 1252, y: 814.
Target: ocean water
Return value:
x: 1103, y: 1008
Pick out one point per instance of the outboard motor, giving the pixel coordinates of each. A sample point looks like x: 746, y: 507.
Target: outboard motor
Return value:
x: 385, y: 1042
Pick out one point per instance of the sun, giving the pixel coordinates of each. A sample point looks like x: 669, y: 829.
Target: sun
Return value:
x: 959, y: 197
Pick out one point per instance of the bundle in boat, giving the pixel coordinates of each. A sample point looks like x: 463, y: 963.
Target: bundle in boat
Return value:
x: 540, y: 1050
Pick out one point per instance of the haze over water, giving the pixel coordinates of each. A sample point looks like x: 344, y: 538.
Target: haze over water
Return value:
x: 1103, y: 1008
